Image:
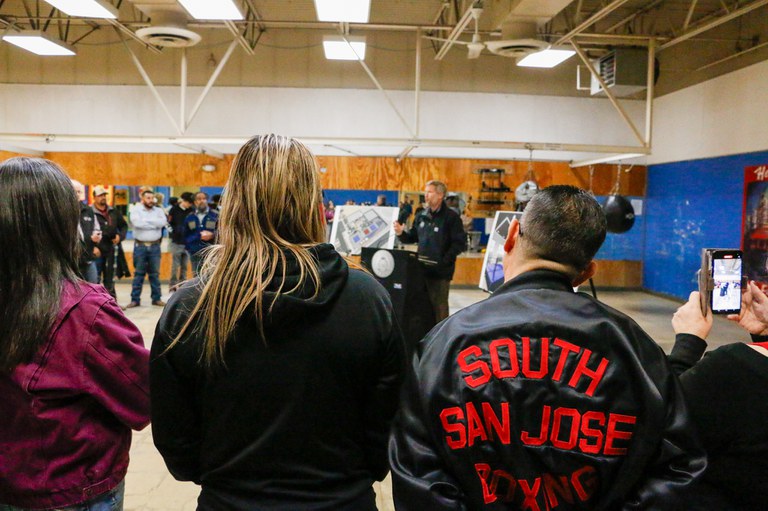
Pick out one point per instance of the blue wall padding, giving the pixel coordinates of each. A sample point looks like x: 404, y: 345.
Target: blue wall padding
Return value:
x: 340, y: 197
x: 627, y: 246
x: 212, y: 190
x: 691, y: 205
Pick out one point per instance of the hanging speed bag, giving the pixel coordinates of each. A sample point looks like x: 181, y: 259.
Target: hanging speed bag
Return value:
x: 619, y: 214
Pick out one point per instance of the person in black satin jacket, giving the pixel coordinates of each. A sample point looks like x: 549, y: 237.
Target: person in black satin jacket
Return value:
x: 541, y: 398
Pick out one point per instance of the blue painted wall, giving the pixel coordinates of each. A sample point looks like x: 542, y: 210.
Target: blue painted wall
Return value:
x: 627, y: 246
x: 340, y: 197
x: 691, y: 205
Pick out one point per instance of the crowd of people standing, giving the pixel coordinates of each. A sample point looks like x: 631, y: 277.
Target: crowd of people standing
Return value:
x: 278, y: 374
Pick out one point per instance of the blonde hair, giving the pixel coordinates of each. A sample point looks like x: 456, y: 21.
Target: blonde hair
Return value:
x: 273, y: 208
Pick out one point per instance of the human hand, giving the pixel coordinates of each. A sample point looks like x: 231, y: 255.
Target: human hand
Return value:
x: 689, y: 320
x: 206, y: 235
x: 398, y: 227
x: 96, y: 236
x: 116, y: 239
x: 96, y: 252
x: 754, y: 311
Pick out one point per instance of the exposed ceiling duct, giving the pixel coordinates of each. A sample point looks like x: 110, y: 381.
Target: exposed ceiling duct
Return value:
x: 169, y: 24
x: 520, y: 27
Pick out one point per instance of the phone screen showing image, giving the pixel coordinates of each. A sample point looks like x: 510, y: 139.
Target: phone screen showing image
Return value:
x: 726, y: 277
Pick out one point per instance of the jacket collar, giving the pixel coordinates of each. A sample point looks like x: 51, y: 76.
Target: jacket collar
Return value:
x: 537, y: 279
x: 71, y: 295
x: 440, y: 211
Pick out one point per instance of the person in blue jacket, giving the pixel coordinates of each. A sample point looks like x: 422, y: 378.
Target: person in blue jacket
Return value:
x: 200, y: 230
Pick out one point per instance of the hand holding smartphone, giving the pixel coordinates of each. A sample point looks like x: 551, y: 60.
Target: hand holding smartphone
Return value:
x: 720, y: 281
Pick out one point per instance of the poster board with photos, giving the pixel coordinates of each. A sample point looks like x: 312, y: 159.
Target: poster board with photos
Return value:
x: 355, y: 227
x: 492, y: 273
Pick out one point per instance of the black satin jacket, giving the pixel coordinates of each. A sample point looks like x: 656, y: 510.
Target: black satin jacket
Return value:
x: 539, y: 398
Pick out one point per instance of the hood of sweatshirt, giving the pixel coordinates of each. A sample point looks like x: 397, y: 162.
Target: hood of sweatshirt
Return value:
x: 333, y: 271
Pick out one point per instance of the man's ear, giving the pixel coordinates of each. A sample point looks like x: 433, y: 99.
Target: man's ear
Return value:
x: 585, y: 275
x: 514, y: 229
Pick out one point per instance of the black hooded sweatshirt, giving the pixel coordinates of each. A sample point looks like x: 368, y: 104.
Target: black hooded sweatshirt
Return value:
x: 297, y: 421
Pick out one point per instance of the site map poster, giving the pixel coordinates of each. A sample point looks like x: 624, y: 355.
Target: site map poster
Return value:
x: 355, y: 227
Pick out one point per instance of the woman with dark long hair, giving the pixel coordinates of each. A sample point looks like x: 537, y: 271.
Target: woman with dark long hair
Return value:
x: 275, y: 375
x: 73, y: 370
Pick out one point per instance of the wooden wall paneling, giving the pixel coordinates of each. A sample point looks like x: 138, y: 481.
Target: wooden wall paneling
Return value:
x: 621, y: 274
x: 141, y: 169
x: 4, y: 155
x: 626, y: 274
x: 342, y: 172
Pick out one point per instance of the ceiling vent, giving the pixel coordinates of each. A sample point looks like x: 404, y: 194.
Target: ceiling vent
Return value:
x: 515, y: 47
x: 169, y: 29
x: 518, y: 39
x: 624, y: 71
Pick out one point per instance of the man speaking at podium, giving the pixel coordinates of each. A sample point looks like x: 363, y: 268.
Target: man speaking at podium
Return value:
x: 440, y: 235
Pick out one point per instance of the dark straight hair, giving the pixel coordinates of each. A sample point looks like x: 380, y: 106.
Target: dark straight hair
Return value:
x: 39, y: 216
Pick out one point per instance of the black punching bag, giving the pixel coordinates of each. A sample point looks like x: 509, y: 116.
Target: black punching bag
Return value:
x: 619, y: 214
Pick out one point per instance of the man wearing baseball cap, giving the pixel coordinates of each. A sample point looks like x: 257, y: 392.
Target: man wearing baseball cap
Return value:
x: 113, y: 229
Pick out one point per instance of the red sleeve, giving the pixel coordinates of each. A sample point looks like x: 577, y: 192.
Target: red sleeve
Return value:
x: 117, y: 366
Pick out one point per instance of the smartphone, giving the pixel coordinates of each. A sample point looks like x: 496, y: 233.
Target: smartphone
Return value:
x: 725, y: 297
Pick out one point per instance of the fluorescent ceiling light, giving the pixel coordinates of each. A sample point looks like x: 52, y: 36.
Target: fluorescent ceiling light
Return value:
x: 353, y: 11
x: 546, y: 58
x: 212, y: 9
x: 86, y: 8
x: 336, y: 48
x: 39, y: 43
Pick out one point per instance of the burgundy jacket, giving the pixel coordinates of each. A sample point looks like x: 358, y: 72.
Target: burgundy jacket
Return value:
x: 66, y: 416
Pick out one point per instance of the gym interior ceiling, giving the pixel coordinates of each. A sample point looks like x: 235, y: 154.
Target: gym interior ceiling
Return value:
x: 279, y: 44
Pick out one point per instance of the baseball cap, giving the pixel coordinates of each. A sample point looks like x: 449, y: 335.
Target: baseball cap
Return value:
x: 99, y: 190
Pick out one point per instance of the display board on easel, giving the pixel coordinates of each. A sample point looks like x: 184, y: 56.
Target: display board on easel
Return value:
x: 492, y: 274
x: 355, y: 227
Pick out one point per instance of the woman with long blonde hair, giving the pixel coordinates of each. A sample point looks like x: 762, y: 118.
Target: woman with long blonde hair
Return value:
x: 275, y: 374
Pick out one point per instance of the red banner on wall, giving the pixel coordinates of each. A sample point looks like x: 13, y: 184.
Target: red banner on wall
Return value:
x: 754, y: 225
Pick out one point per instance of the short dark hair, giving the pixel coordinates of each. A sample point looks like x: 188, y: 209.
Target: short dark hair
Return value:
x: 563, y: 224
x: 188, y: 196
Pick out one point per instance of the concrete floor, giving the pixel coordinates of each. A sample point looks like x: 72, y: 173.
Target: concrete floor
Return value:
x: 149, y: 486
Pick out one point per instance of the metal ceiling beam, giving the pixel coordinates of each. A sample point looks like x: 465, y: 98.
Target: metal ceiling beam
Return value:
x: 239, y: 37
x: 617, y: 39
x: 211, y: 81
x: 183, y: 91
x: 379, y: 86
x: 306, y: 25
x: 456, y: 32
x: 602, y: 13
x: 151, y: 85
x: 417, y: 87
x: 21, y: 150
x: 404, y: 153
x: 203, y: 150
x: 605, y: 159
x: 714, y: 23
x: 731, y: 57
x: 389, y: 142
x: 608, y: 92
x: 689, y: 15
x: 634, y: 15
x: 130, y: 33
